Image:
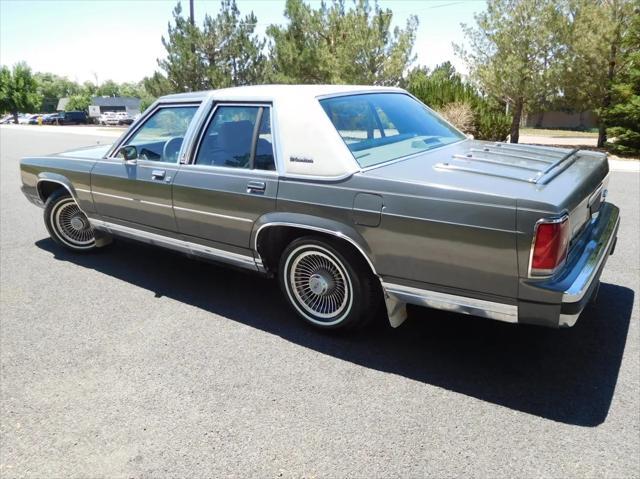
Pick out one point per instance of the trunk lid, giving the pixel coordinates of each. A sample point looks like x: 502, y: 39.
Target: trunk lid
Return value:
x: 541, y: 178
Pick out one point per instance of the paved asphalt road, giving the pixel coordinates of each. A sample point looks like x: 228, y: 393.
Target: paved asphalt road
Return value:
x: 137, y: 362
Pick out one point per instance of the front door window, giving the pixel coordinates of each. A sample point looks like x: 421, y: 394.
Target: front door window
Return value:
x: 162, y: 134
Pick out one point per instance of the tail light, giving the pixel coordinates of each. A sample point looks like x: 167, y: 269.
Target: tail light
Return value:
x: 550, y: 244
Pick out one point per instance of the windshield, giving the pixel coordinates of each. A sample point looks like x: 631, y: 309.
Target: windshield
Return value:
x: 380, y: 127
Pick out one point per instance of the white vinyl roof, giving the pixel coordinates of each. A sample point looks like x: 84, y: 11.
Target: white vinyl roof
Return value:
x: 306, y: 142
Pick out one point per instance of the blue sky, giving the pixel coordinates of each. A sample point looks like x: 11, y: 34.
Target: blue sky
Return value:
x: 120, y: 39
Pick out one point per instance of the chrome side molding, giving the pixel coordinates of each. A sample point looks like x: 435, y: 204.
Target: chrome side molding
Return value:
x: 452, y: 302
x: 187, y: 247
x: 337, y: 234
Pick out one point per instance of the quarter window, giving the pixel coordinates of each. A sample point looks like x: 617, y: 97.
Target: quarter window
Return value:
x: 238, y: 137
x: 162, y: 134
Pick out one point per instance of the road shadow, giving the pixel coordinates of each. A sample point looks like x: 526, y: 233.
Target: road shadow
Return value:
x: 566, y: 375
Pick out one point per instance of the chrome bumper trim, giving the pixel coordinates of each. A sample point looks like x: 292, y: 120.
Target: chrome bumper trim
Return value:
x: 595, y: 252
x: 453, y: 303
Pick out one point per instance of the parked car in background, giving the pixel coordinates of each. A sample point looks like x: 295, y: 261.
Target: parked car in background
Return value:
x: 51, y: 119
x: 33, y: 119
x: 124, y: 118
x: 6, y: 119
x: 108, y: 118
x: 70, y: 118
x: 23, y: 118
x: 351, y: 196
x: 48, y: 118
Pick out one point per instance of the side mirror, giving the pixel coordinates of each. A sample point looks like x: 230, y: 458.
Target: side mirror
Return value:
x: 129, y: 153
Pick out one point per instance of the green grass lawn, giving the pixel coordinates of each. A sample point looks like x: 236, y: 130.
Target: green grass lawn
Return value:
x: 558, y: 133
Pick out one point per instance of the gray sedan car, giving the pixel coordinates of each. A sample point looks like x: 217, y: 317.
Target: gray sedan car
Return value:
x: 354, y: 197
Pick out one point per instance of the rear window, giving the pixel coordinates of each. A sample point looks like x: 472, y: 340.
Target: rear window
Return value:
x: 380, y: 127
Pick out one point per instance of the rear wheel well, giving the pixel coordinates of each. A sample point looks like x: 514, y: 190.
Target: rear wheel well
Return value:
x: 47, y: 188
x: 273, y: 240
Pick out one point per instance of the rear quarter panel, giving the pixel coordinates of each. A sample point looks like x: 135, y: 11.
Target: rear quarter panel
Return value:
x: 440, y: 240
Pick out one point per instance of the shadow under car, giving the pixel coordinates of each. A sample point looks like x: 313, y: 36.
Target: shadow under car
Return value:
x: 566, y: 375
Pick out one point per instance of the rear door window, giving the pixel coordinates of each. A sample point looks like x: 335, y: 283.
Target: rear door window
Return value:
x: 238, y: 137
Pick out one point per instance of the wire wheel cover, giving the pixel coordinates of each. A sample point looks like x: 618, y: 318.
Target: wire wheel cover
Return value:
x: 320, y: 285
x: 72, y: 224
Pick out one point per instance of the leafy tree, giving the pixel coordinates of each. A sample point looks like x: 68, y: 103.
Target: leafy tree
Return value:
x: 52, y: 87
x: 184, y: 68
x: 5, y: 89
x: 335, y: 44
x: 232, y: 51
x: 18, y: 90
x: 300, y: 51
x: 595, y: 48
x: 513, y: 53
x: 460, y: 102
x: 224, y: 52
x: 623, y: 115
x: 108, y: 88
x: 88, y: 89
x: 135, y: 90
x: 157, y: 85
x: 79, y: 102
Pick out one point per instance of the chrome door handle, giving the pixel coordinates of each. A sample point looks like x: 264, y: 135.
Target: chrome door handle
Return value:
x: 158, y: 174
x: 256, y: 187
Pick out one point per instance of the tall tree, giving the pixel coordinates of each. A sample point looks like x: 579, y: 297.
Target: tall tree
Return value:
x: 513, y: 53
x: 184, y: 68
x: 336, y: 44
x: 593, y: 59
x: 225, y: 51
x: 18, y: 90
x: 79, y: 102
x: 623, y: 115
x: 232, y: 51
x: 51, y: 88
x: 157, y: 85
x: 108, y: 88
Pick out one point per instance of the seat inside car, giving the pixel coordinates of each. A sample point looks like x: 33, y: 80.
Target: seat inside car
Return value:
x: 230, y: 147
x: 233, y: 144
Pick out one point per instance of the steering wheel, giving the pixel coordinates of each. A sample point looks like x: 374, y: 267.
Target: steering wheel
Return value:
x: 171, y: 149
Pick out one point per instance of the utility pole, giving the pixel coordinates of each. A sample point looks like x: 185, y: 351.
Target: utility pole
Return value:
x: 191, y: 16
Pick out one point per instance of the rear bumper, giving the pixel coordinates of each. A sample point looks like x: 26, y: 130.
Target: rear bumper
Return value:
x: 578, y: 282
x: 585, y: 275
x: 565, y: 295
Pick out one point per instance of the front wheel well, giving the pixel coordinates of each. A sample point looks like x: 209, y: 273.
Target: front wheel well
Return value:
x: 46, y: 188
x: 271, y: 243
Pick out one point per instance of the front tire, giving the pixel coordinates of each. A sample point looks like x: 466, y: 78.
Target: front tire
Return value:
x: 67, y: 224
x: 327, y: 284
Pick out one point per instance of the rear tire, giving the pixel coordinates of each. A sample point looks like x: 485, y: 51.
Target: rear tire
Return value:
x: 67, y: 224
x: 327, y: 284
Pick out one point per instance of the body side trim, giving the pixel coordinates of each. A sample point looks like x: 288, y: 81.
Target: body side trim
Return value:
x: 67, y: 187
x: 176, y: 244
x: 337, y: 234
x: 127, y: 198
x: 217, y: 215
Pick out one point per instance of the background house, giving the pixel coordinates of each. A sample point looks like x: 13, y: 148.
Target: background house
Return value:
x: 116, y: 103
x: 582, y: 120
x: 101, y: 104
